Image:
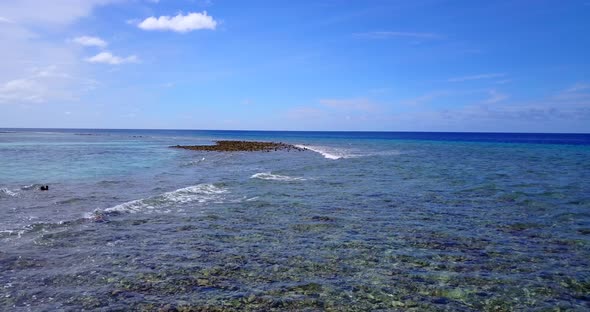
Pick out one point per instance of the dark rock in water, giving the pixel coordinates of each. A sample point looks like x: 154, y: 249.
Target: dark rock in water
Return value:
x: 323, y: 218
x: 99, y: 217
x: 44, y: 188
x: 242, y: 146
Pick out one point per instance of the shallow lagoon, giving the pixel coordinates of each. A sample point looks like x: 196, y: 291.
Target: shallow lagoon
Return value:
x: 367, y: 222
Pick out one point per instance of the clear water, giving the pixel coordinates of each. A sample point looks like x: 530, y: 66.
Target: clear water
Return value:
x: 362, y: 221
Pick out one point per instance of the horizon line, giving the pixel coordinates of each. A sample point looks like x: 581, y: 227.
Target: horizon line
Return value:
x: 250, y: 130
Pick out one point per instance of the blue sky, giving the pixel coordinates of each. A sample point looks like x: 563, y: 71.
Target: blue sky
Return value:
x: 421, y: 65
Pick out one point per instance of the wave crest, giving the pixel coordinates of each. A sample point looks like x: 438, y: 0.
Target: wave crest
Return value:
x: 4, y: 192
x: 201, y: 193
x: 327, y: 152
x: 275, y: 177
x: 31, y: 187
x: 342, y: 153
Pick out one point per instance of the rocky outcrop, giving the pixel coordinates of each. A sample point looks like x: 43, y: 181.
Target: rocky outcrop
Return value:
x: 242, y: 146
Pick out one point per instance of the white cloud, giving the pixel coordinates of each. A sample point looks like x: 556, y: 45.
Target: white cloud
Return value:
x: 476, y: 77
x: 180, y: 23
x: 560, y: 112
x: 22, y: 90
x: 90, y: 41
x: 49, y: 72
x: 109, y: 58
x: 28, y: 76
x: 55, y: 11
x: 42, y: 85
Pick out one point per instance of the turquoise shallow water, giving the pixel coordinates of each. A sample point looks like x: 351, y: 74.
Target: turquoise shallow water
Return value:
x: 361, y: 221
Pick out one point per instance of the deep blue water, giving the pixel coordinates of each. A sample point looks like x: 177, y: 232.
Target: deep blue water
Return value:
x: 360, y: 221
x: 537, y: 138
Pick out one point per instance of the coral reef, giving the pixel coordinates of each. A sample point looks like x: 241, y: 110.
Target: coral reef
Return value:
x: 241, y: 146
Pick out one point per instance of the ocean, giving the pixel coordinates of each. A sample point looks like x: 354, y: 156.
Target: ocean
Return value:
x: 360, y: 221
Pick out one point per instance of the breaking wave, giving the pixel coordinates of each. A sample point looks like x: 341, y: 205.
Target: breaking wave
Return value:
x: 327, y: 152
x: 275, y: 177
x: 31, y: 187
x: 202, y: 193
x: 343, y: 153
x: 4, y: 192
x: 193, y: 162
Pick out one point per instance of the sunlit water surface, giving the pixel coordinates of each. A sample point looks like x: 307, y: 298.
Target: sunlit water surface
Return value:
x: 360, y: 221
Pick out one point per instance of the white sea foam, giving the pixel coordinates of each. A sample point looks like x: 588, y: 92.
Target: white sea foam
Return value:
x: 343, y: 153
x: 202, y: 193
x: 30, y: 187
x: 194, y: 162
x: 275, y: 177
x: 7, y: 192
x: 327, y: 152
x: 8, y: 233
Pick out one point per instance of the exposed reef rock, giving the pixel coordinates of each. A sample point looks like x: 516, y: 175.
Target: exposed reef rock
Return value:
x: 242, y: 146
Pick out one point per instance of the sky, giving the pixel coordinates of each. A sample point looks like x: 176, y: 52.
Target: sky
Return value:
x: 378, y: 65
